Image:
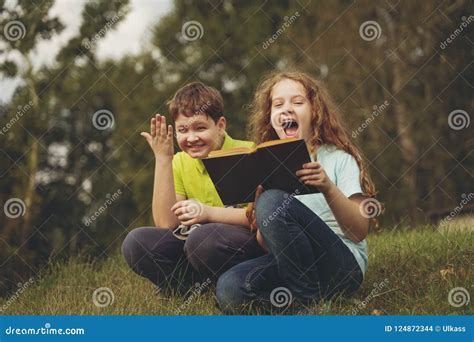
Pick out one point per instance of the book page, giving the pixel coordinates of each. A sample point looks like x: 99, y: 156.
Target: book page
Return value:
x: 231, y: 152
x: 276, y: 142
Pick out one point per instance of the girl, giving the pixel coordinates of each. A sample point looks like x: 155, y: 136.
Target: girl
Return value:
x: 316, y: 243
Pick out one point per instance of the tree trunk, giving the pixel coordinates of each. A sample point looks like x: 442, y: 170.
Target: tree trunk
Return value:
x: 408, y: 146
x: 30, y: 191
x: 403, y: 124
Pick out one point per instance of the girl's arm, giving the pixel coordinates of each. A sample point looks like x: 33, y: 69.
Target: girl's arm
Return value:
x: 347, y: 213
x: 345, y: 210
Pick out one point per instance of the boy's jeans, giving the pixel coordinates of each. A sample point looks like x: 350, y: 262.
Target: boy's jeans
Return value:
x: 306, y: 260
x: 210, y: 250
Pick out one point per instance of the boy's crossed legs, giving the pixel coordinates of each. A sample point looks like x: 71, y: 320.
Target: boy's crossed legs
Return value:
x: 168, y: 262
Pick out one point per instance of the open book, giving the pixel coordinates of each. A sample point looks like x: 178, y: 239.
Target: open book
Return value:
x: 237, y: 172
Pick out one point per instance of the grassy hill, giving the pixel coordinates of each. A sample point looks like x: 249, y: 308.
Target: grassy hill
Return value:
x: 410, y: 272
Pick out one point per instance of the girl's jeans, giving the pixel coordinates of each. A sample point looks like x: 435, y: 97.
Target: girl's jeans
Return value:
x: 306, y: 260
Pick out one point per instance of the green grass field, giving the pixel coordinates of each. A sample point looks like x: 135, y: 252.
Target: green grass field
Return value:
x: 412, y: 270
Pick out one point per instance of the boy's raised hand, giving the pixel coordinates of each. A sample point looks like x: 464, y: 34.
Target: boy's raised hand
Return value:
x: 160, y: 137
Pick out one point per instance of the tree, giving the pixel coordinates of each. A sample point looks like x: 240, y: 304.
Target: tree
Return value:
x: 26, y: 143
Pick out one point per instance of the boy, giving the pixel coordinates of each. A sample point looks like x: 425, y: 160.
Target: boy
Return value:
x: 183, y: 193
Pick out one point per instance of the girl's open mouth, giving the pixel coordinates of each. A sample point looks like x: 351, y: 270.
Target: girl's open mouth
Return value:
x: 290, y: 127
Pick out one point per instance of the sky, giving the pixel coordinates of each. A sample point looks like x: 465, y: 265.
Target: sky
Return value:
x: 128, y: 37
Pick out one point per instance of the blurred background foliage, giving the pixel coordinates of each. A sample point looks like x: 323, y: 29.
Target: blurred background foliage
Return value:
x: 64, y: 168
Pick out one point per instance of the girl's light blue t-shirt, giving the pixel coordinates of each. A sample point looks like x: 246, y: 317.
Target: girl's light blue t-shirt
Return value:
x: 343, y: 171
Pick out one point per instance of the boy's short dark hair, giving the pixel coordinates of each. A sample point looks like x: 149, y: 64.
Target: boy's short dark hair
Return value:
x: 197, y: 98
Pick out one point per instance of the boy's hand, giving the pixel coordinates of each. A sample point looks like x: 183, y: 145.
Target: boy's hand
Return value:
x: 314, y: 174
x: 261, y: 242
x: 190, y: 212
x: 251, y: 210
x: 160, y: 137
x: 253, y: 221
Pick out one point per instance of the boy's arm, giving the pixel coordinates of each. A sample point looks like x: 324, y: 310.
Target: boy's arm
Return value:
x: 235, y: 216
x: 164, y: 196
x: 191, y: 211
x: 160, y: 140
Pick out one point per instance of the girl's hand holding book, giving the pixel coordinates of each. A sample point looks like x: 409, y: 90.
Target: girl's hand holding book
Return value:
x: 160, y: 138
x: 313, y: 174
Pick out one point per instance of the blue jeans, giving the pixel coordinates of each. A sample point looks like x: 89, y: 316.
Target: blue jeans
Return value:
x: 306, y: 261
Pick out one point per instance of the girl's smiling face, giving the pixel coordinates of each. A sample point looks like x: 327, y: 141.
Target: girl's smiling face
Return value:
x: 290, y: 110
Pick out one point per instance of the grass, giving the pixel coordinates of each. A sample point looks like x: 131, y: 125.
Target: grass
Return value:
x: 413, y: 270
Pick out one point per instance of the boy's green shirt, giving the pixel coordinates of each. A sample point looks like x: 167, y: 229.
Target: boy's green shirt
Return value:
x: 191, y: 178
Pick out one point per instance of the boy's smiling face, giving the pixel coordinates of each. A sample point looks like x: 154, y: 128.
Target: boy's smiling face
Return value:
x: 197, y: 135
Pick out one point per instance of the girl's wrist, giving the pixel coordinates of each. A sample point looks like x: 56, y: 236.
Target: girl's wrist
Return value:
x: 329, y: 190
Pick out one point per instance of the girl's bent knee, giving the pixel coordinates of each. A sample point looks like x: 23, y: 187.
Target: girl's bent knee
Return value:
x: 269, y: 205
x: 229, y: 292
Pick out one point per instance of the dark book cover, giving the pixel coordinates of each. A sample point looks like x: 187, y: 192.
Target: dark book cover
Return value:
x: 273, y: 165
